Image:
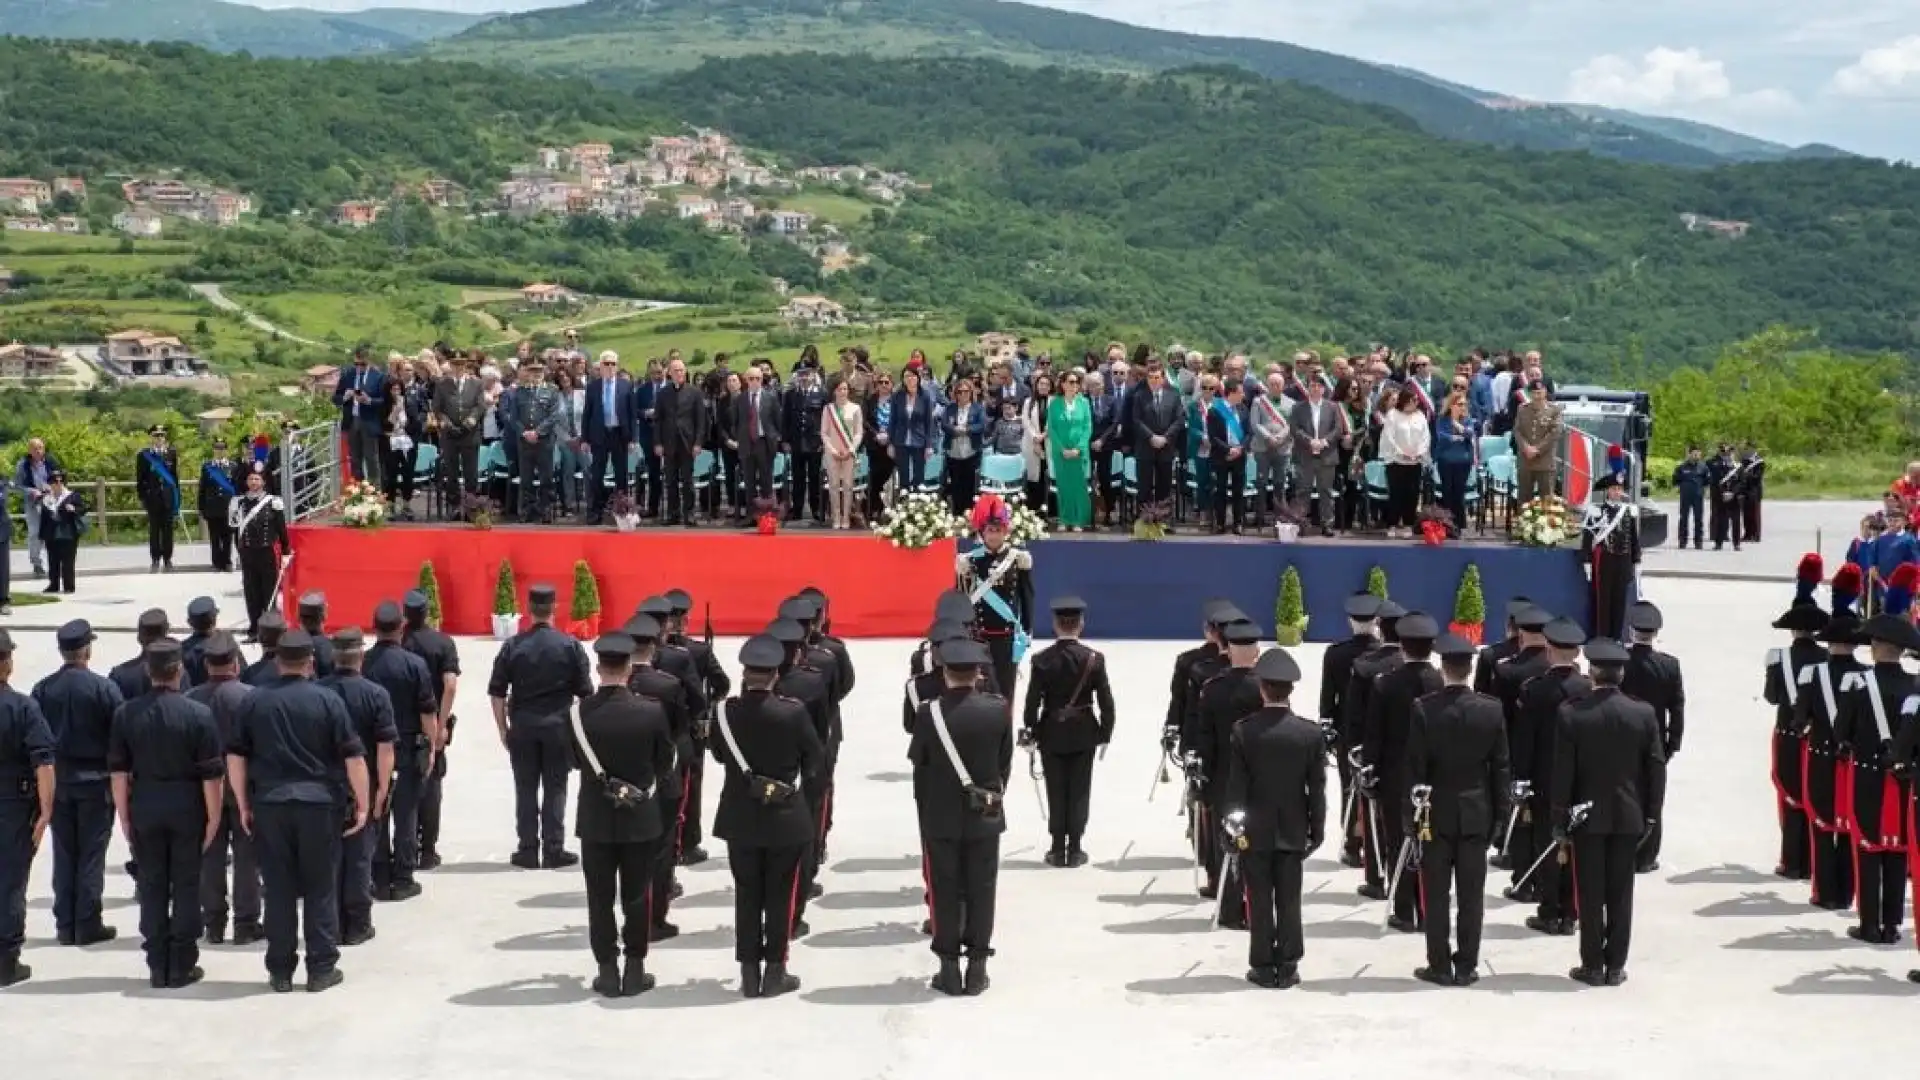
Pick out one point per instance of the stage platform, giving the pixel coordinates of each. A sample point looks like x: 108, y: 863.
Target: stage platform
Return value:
x: 1138, y: 591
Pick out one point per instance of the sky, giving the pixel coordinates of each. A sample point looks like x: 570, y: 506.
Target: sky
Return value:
x: 1845, y: 72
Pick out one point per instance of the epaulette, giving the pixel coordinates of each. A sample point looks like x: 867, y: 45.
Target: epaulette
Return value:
x: 1853, y: 680
x: 1773, y: 656
x: 1911, y: 706
x: 1022, y: 559
x: 1806, y: 673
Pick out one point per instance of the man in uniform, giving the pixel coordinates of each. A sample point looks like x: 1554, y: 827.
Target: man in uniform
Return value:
x: 312, y: 613
x: 26, y: 807
x: 624, y: 748
x: 156, y: 479
x: 1654, y: 677
x: 1370, y: 811
x: 130, y: 676
x: 1276, y: 813
x: 79, y: 707
x: 962, y: 754
x: 371, y: 709
x: 1872, y: 703
x: 536, y: 416
x: 952, y: 606
x: 1537, y: 433
x: 1069, y: 715
x: 1485, y: 682
x: 203, y: 618
x: 768, y: 746
x: 1457, y: 751
x: 998, y: 578
x: 1610, y: 548
x: 266, y: 669
x: 1336, y: 671
x: 259, y: 522
x: 928, y: 684
x: 414, y: 693
x: 165, y: 758
x: 1384, y: 749
x: 1204, y: 668
x: 1608, y: 759
x: 537, y: 676
x: 669, y: 695
x: 293, y: 749
x: 1509, y: 676
x: 804, y: 683
x: 1827, y: 814
x: 1781, y: 688
x: 1225, y: 700
x: 215, y: 493
x: 1724, y: 487
x: 1532, y: 744
x: 222, y: 694
x: 442, y: 658
x: 807, y: 611
x: 717, y: 686
x: 1209, y: 647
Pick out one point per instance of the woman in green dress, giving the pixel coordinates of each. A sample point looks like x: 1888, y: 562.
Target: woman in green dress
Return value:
x: 1069, y: 439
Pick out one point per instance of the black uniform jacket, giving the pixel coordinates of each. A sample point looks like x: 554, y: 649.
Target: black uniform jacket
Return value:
x: 779, y: 741
x: 928, y: 685
x: 1654, y: 677
x: 1224, y: 701
x: 370, y: 708
x: 1066, y: 682
x: 1458, y: 747
x: 1182, y: 679
x: 1782, y: 684
x: 670, y: 694
x: 1512, y: 673
x: 982, y: 732
x: 630, y: 736
x: 1608, y: 753
x: 1819, y: 704
x: 808, y: 685
x: 79, y: 707
x: 1389, y: 718
x: 1357, y: 703
x: 1488, y: 662
x: 1536, y: 723
x: 170, y: 747
x: 1336, y: 669
x: 1277, y: 775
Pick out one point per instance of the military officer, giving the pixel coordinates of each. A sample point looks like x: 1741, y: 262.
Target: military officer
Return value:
x: 537, y: 676
x: 1509, y: 676
x: 1225, y: 700
x: 1832, y: 844
x: 410, y: 686
x: 203, y: 619
x: 292, y: 751
x: 165, y: 758
x: 1276, y: 813
x: 670, y: 695
x: 1384, y: 749
x: 266, y: 669
x: 130, y: 676
x: 823, y: 632
x: 998, y: 577
x: 1369, y: 813
x: 156, y: 478
x: 442, y: 658
x: 222, y: 694
x: 1205, y: 668
x: 1608, y: 759
x: 214, y: 493
x: 768, y: 745
x: 312, y: 616
x: 1457, y: 752
x: 1069, y: 715
x: 79, y: 706
x: 715, y: 686
x: 1781, y: 688
x: 806, y: 611
x: 1485, y: 681
x: 26, y: 808
x: 1867, y: 724
x: 370, y: 707
x: 536, y: 419
x: 952, y: 606
x: 1654, y: 677
x: 803, y: 682
x: 259, y: 522
x: 1177, y: 695
x: 962, y: 754
x: 1532, y: 744
x: 625, y: 749
x: 1336, y: 671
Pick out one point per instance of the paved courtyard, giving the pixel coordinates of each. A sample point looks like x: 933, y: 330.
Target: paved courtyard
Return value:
x: 1109, y: 970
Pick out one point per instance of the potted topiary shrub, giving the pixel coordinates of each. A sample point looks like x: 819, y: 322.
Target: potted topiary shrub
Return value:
x: 429, y: 583
x: 506, y: 603
x: 1290, y: 610
x: 1377, y: 582
x: 1470, y: 607
x: 586, y: 603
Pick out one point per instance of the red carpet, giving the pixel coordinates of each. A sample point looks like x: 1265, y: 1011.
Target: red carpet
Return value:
x: 876, y: 589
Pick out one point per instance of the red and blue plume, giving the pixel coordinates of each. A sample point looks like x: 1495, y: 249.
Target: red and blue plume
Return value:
x: 1846, y: 588
x: 1900, y: 585
x: 990, y: 509
x: 1812, y: 571
x: 262, y: 447
x: 1616, y: 460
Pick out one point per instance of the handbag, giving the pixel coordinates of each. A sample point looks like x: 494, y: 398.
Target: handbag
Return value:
x: 622, y: 794
x: 986, y: 802
x: 766, y: 790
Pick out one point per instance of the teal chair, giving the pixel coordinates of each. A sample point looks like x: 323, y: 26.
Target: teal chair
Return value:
x: 1499, y: 479
x: 1003, y: 474
x: 1374, y: 476
x: 1493, y: 446
x: 936, y: 468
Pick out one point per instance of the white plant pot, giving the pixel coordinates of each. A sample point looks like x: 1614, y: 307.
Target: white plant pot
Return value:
x: 1286, y: 532
x: 626, y: 522
x: 505, y: 626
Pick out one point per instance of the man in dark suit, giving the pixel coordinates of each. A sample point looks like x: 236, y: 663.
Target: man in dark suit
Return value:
x: 361, y: 394
x: 1276, y: 802
x: 460, y: 404
x: 1318, y: 428
x: 962, y: 754
x: 1457, y: 752
x: 679, y: 430
x: 646, y: 400
x: 1383, y: 745
x: 1067, y: 681
x: 757, y: 435
x: 1607, y: 758
x: 1159, y: 437
x: 607, y: 426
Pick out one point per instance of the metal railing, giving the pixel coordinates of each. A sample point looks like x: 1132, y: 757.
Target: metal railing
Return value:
x: 310, y: 470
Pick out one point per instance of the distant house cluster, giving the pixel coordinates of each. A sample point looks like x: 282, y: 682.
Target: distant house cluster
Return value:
x: 434, y: 191
x: 27, y: 197
x: 814, y: 311
x: 150, y: 200
x: 19, y: 361
x: 877, y: 184
x: 1732, y: 230
x: 67, y: 224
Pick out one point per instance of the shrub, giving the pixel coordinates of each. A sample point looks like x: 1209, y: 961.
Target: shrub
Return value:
x: 1470, y: 603
x: 586, y: 592
x: 1377, y: 582
x: 506, y: 594
x: 429, y: 583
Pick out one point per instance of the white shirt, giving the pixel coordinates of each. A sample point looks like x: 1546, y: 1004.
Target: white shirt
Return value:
x: 1404, y: 439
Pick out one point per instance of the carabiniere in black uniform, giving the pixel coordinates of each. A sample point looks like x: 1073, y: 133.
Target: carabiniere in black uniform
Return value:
x: 1654, y: 677
x: 808, y: 685
x: 1781, y: 688
x: 26, y: 805
x: 1355, y: 704
x: 1225, y: 700
x: 1384, y: 748
x: 1069, y: 715
x: 1336, y: 672
x: 669, y: 693
x: 1007, y: 616
x: 717, y: 686
x: 1533, y: 744
x: 79, y: 705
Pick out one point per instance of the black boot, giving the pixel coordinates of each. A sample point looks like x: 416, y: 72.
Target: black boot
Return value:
x: 777, y: 981
x: 977, y: 981
x: 636, y: 981
x: 1057, y: 854
x: 1075, y: 856
x: 750, y: 980
x: 607, y: 983
x: 948, y: 981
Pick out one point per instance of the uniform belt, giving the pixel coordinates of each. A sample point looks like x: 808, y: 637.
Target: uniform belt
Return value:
x: 1008, y: 632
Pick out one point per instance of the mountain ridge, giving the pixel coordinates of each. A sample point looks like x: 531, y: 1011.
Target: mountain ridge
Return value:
x: 231, y: 27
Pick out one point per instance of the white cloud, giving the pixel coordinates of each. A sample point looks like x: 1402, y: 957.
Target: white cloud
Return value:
x: 1663, y: 78
x: 1888, y: 71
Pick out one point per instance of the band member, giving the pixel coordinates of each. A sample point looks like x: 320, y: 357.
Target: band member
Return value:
x: 1608, y: 760
x: 1336, y: 671
x: 156, y: 478
x: 1225, y: 700
x: 1610, y: 548
x: 1782, y: 690
x: 1824, y: 768
x: 537, y: 676
x: 1354, y: 705
x: 1183, y: 664
x: 1532, y: 743
x: 624, y: 748
x: 1457, y: 753
x: 1654, y: 677
x: 666, y: 692
x: 1753, y: 488
x: 962, y: 754
x: 1276, y: 814
x: 1384, y: 750
x: 216, y: 491
x: 1069, y: 715
x: 1867, y: 725
x: 998, y: 578
x: 259, y: 522
x: 1509, y: 676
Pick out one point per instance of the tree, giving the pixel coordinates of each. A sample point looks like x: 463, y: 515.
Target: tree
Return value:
x: 429, y: 583
x: 981, y: 322
x: 1377, y: 582
x: 506, y: 594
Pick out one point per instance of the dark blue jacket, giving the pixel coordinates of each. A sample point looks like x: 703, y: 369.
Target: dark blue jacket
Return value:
x: 644, y: 393
x: 594, y: 421
x: 1452, y: 442
x: 1690, y: 478
x: 912, y: 429
x: 973, y: 424
x: 373, y: 414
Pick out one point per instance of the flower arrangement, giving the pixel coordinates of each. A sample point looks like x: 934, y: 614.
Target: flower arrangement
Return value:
x: 917, y: 520
x: 1470, y: 607
x: 477, y: 509
x: 1290, y: 610
x: 506, y: 603
x: 429, y: 583
x: 1287, y: 523
x: 626, y: 512
x: 585, y: 608
x: 362, y: 506
x: 1377, y: 583
x: 1151, y: 524
x: 1544, y: 522
x: 1436, y: 524
x: 766, y: 516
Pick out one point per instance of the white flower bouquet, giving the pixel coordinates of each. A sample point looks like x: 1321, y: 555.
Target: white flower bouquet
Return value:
x: 362, y: 506
x: 1544, y: 522
x: 917, y: 520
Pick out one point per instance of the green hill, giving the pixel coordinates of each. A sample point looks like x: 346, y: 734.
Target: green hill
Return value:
x: 630, y: 41
x: 231, y: 27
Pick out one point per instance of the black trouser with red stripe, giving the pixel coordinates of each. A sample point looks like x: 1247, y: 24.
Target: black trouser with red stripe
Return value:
x: 963, y: 877
x: 690, y: 831
x: 1603, y: 882
x: 1393, y: 827
x: 766, y: 894
x: 667, y: 855
x: 1558, y: 899
x: 819, y: 796
x: 1445, y: 861
x: 1273, y: 907
x: 626, y: 869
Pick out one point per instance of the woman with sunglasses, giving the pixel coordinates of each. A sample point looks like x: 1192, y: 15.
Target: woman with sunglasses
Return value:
x: 878, y: 419
x: 1069, y: 445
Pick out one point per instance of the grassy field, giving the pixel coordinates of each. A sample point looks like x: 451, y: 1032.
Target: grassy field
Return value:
x: 1862, y: 476
x: 57, y: 268
x: 390, y: 322
x: 830, y: 206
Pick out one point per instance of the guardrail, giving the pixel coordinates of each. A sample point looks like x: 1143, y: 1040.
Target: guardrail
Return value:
x: 102, y: 515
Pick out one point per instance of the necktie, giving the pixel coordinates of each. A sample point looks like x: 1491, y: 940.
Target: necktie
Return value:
x: 607, y: 405
x: 753, y: 414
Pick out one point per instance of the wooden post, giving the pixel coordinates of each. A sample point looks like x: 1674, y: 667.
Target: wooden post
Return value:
x: 100, y: 505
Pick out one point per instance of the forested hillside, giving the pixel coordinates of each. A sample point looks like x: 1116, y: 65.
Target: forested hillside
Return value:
x: 230, y: 27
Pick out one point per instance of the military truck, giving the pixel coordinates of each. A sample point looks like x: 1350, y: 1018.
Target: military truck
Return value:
x: 1622, y: 418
